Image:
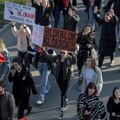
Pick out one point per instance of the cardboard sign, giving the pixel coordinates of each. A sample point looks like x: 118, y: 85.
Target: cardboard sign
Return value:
x: 59, y: 38
x: 37, y: 35
x: 19, y: 13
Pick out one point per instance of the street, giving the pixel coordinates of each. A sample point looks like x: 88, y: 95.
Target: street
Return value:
x: 51, y: 107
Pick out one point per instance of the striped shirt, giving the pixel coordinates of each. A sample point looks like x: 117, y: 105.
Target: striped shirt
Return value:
x: 95, y: 105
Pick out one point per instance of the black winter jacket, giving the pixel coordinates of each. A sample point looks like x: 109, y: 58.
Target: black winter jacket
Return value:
x: 70, y: 23
x: 44, y: 18
x: 107, y: 42
x: 69, y: 60
x: 22, y: 84
x: 83, y: 40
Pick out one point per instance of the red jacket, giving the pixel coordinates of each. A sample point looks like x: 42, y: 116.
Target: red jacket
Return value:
x: 66, y: 3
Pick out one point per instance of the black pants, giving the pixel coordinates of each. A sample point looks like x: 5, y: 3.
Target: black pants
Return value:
x: 63, y: 85
x: 23, y: 104
x: 101, y: 59
x: 24, y: 58
x: 74, y: 2
x: 81, y: 59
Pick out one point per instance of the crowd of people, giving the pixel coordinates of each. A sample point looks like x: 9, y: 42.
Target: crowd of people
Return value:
x: 90, y: 83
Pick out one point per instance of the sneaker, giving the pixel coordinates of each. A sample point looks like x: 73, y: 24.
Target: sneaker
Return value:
x: 39, y: 102
x: 60, y: 115
x: 112, y: 63
x: 66, y: 105
x: 47, y: 91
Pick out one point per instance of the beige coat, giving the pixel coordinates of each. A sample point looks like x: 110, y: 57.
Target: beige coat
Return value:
x: 97, y: 79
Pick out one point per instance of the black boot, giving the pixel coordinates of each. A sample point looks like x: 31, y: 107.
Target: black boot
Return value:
x: 29, y: 110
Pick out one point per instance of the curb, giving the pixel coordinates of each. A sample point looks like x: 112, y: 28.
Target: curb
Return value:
x: 5, y: 28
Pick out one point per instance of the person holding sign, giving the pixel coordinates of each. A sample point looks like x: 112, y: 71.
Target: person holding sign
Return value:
x: 71, y: 21
x: 43, y: 66
x: 23, y: 36
x: 62, y: 73
x: 45, y: 8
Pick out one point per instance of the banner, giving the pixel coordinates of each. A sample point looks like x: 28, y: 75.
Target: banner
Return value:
x: 19, y: 13
x: 59, y: 38
x: 37, y: 35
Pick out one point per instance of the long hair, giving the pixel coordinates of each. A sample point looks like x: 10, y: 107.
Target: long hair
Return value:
x: 113, y: 93
x: 93, y: 63
x: 2, y: 46
x: 91, y: 30
x: 48, y: 3
x: 90, y: 86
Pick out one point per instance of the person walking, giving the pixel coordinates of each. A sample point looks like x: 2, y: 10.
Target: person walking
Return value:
x: 4, y: 64
x: 91, y: 73
x: 86, y: 42
x: 62, y: 73
x: 71, y: 23
x: 22, y: 85
x: 43, y: 66
x: 7, y: 103
x: 60, y: 5
x: 107, y: 43
x: 113, y: 104
x: 116, y: 8
x: 90, y: 106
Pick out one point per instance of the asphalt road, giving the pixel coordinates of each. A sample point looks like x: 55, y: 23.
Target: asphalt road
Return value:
x: 51, y: 107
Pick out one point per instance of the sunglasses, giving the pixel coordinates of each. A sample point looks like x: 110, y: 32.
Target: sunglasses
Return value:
x: 62, y: 52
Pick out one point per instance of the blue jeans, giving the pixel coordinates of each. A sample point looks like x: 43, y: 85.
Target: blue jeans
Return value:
x: 44, y: 83
x: 118, y: 29
x: 91, y: 16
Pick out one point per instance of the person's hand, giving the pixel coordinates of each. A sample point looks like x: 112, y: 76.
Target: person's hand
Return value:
x: 113, y: 114
x: 86, y: 112
x: 84, y: 33
x: 96, y: 10
x: 43, y: 47
x: 112, y: 12
x: 25, y: 26
x: 13, y: 71
x: 13, y: 23
x: 89, y: 45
